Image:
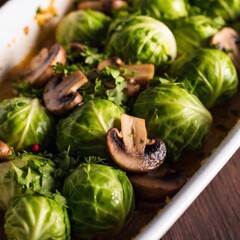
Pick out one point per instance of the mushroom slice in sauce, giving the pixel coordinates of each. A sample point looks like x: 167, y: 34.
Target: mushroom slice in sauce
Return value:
x: 102, y: 5
x: 137, y: 74
x: 157, y: 184
x: 131, y: 150
x: 5, y: 151
x: 228, y: 39
x: 60, y: 94
x: 40, y: 66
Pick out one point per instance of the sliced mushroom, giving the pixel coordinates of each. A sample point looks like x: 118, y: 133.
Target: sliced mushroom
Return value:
x: 77, y: 47
x: 5, y: 151
x: 102, y: 5
x: 137, y: 72
x: 137, y: 75
x: 228, y: 39
x: 60, y: 94
x: 110, y: 62
x: 132, y: 88
x: 131, y: 149
x: 157, y: 184
x: 40, y: 67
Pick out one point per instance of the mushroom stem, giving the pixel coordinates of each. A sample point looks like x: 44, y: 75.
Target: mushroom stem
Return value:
x: 134, y: 134
x: 136, y: 72
x: 72, y: 83
x: 140, y: 72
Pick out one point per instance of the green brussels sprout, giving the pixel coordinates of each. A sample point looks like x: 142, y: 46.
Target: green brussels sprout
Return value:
x: 100, y: 200
x: 228, y: 9
x: 174, y: 115
x: 208, y: 73
x: 141, y: 39
x: 84, y: 130
x: 24, y: 122
x: 26, y: 173
x: 162, y: 10
x: 83, y: 26
x: 37, y: 217
x: 194, y: 32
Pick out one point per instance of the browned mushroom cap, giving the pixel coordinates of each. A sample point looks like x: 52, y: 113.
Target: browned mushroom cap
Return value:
x: 102, y: 5
x: 131, y: 150
x: 40, y: 66
x: 228, y: 39
x: 60, y: 94
x: 5, y: 151
x: 157, y: 184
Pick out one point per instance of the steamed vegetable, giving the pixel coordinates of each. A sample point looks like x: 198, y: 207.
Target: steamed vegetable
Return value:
x: 228, y: 9
x: 35, y: 217
x: 26, y: 173
x: 141, y: 39
x: 100, y: 200
x: 84, y: 130
x: 174, y: 115
x: 194, y: 32
x: 83, y: 26
x: 25, y: 122
x: 208, y: 73
x: 162, y: 10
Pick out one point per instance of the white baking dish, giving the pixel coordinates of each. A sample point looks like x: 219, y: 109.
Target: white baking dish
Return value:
x: 20, y: 32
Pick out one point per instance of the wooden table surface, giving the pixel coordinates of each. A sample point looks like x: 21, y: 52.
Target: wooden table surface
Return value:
x: 215, y: 214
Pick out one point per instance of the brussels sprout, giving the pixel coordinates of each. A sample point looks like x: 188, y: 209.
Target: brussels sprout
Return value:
x: 84, y: 130
x: 162, y: 10
x: 194, y: 32
x: 208, y: 73
x: 228, y: 9
x: 141, y: 39
x: 83, y: 26
x: 100, y: 200
x: 174, y: 115
x: 26, y: 173
x: 24, y: 122
x: 37, y: 217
